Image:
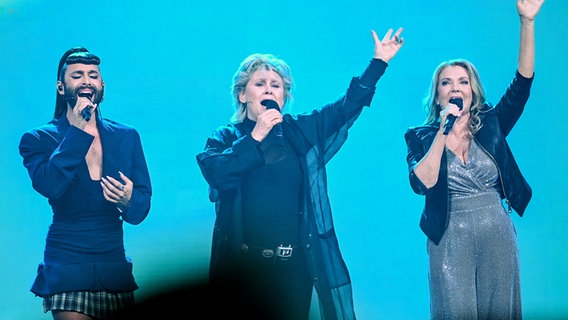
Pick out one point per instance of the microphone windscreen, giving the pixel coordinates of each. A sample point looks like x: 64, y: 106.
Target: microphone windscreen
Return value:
x: 270, y: 104
x: 458, y: 102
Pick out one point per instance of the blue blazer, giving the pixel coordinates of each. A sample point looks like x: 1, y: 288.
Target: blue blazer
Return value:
x: 84, y: 244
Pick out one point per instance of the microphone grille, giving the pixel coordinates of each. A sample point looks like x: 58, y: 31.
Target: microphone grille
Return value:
x: 270, y: 104
x: 457, y: 101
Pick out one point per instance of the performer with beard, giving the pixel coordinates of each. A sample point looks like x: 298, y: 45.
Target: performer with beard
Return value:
x: 93, y: 172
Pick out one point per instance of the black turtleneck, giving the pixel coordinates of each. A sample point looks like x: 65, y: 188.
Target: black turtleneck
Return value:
x: 272, y: 195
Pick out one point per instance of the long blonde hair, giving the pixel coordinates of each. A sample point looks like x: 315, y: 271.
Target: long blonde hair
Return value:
x: 432, y: 108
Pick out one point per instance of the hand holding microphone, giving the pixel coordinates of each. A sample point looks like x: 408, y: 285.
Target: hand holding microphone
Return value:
x: 271, y: 104
x: 87, y: 111
x: 451, y: 119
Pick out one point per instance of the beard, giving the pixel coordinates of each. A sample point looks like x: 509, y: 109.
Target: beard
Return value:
x: 72, y: 94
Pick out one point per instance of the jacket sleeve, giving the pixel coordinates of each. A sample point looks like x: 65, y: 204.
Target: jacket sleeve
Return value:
x: 415, y: 152
x: 329, y: 124
x: 52, y: 161
x: 140, y: 200
x: 359, y: 94
x: 226, y: 159
x: 512, y: 103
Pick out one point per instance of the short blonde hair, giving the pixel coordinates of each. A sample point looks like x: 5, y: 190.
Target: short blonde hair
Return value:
x: 251, y: 64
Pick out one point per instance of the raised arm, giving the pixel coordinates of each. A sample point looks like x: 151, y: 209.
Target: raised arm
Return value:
x: 528, y: 10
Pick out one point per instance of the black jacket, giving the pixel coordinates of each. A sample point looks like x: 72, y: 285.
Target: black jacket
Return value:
x: 316, y: 137
x: 497, y: 123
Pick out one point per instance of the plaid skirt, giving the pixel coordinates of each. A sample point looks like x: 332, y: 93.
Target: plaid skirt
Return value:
x: 97, y: 304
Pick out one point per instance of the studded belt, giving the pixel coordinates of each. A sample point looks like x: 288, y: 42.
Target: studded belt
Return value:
x: 281, y: 252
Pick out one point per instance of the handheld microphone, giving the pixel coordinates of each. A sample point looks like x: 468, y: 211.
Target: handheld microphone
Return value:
x: 451, y: 119
x: 271, y: 104
x: 87, y: 112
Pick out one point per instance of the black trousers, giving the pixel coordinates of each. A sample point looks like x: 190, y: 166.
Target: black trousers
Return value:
x: 281, y: 286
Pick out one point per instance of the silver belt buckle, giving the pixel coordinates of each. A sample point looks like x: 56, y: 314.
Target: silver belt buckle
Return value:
x: 267, y: 253
x: 284, y: 252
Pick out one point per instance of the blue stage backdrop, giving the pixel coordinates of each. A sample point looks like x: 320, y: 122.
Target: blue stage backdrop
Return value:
x: 168, y: 67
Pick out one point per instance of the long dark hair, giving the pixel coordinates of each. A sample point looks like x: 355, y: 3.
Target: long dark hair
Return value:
x: 71, y: 56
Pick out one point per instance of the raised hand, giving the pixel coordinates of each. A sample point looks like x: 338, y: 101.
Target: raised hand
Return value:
x: 387, y: 48
x: 528, y: 8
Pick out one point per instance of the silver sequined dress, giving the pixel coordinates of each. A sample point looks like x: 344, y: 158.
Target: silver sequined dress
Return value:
x: 474, y: 271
